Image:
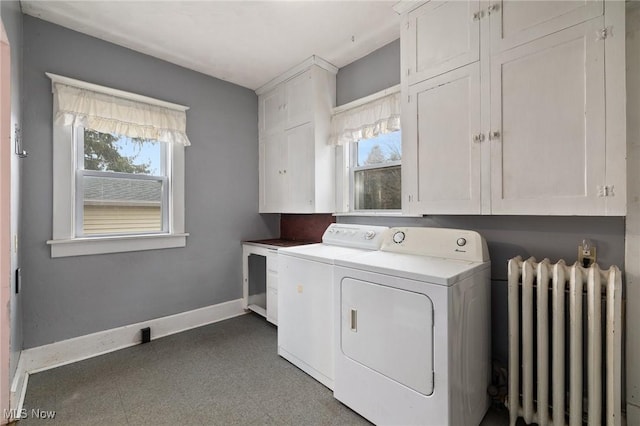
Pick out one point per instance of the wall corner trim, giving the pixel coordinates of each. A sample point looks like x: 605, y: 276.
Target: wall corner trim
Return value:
x: 45, y: 357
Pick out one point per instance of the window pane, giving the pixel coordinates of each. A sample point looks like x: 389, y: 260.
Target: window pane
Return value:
x: 379, y: 150
x: 377, y: 189
x: 121, y: 206
x: 107, y: 152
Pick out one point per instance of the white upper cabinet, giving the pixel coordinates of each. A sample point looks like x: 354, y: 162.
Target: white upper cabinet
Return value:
x: 288, y: 105
x: 296, y: 164
x: 299, y: 100
x: 548, y: 112
x: 440, y: 36
x: 271, y: 112
x: 447, y: 149
x: 299, y: 175
x: 516, y: 22
x: 273, y: 164
x: 534, y: 126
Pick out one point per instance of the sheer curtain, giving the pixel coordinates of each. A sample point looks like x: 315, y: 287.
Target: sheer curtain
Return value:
x: 366, y: 121
x: 112, y: 114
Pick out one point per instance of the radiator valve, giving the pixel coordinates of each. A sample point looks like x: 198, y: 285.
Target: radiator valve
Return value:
x: 586, y: 253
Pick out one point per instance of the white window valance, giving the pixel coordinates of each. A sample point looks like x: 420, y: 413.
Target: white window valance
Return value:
x: 112, y: 111
x: 366, y: 121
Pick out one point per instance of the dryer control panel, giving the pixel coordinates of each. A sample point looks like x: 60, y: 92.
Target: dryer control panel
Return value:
x: 436, y: 242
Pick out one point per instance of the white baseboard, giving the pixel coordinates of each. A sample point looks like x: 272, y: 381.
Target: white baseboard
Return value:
x: 18, y: 386
x: 68, y: 351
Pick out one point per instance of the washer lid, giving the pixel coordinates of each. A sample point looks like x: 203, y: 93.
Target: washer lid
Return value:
x: 321, y: 252
x: 415, y: 267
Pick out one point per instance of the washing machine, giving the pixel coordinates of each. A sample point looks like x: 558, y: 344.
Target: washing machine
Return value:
x: 305, y: 296
x: 412, y: 328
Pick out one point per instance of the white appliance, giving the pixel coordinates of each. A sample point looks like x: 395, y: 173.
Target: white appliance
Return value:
x: 305, y: 296
x: 413, y: 329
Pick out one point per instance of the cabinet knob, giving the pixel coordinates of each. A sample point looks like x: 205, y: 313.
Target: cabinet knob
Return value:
x: 478, y: 138
x: 494, y: 135
x: 493, y: 8
x: 478, y: 15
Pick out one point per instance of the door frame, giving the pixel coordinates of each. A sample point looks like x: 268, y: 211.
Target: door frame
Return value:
x: 5, y: 221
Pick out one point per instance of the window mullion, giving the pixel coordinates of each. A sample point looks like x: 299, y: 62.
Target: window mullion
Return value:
x: 377, y: 166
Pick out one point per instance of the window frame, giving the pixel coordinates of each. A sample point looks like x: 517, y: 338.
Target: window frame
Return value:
x: 344, y: 165
x: 66, y: 242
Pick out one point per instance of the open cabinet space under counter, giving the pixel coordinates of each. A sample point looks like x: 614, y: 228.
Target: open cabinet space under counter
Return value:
x: 260, y: 275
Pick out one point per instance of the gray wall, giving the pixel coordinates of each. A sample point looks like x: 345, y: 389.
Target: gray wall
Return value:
x: 507, y: 236
x: 68, y: 297
x: 377, y: 71
x: 12, y: 21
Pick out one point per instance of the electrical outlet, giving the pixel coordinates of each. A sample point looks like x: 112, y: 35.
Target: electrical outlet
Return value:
x: 586, y: 254
x: 18, y: 279
x: 145, y: 334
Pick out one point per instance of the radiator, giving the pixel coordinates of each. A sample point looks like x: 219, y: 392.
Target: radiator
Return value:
x: 537, y: 341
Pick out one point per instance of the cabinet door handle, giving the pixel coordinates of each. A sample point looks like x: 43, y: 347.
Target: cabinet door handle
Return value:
x: 284, y: 172
x: 478, y: 15
x: 493, y: 8
x: 494, y: 136
x: 354, y: 320
x: 478, y: 138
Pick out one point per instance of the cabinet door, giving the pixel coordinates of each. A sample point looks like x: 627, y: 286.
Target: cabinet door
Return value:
x: 547, y: 103
x: 298, y: 106
x: 272, y: 287
x: 516, y: 22
x: 271, y: 111
x: 300, y: 170
x: 273, y: 157
x: 441, y: 36
x: 444, y: 125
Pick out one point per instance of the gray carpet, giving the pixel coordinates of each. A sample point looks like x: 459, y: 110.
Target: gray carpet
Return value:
x: 226, y: 373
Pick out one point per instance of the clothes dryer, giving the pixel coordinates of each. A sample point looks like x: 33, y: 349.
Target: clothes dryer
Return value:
x: 412, y: 329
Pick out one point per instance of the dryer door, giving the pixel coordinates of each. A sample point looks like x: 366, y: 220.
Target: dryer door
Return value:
x: 390, y: 331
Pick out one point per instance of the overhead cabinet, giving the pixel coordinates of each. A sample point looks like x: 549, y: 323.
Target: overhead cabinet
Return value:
x: 288, y: 105
x: 287, y: 171
x: 516, y: 108
x: 443, y: 166
x: 296, y: 164
x: 438, y: 37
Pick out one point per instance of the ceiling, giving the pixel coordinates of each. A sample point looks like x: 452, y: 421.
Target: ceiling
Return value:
x: 245, y: 42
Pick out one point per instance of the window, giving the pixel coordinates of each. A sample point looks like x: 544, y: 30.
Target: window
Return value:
x: 118, y: 171
x: 122, y: 185
x: 367, y: 132
x: 375, y: 172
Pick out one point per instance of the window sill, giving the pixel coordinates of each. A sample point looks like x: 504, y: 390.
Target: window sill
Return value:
x: 378, y: 213
x: 116, y: 244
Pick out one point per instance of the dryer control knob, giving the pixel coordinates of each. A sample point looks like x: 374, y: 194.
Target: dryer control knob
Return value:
x: 461, y: 242
x: 369, y: 235
x: 398, y: 237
